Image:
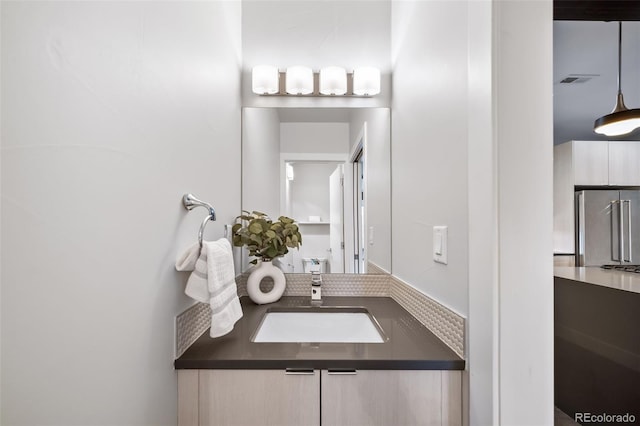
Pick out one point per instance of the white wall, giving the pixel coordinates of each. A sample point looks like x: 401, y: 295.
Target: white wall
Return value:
x: 310, y: 190
x: 482, y: 337
x: 429, y: 149
x: 523, y: 31
x: 261, y: 161
x: 378, y: 180
x: 453, y: 109
x: 110, y: 112
x: 314, y: 137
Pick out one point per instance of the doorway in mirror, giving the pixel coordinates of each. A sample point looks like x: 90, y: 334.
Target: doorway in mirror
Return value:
x: 314, y: 195
x: 299, y: 162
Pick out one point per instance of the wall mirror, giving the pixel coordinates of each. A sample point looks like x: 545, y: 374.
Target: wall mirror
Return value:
x: 329, y: 169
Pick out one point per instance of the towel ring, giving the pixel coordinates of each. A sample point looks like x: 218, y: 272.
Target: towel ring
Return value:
x: 190, y: 202
x: 204, y: 224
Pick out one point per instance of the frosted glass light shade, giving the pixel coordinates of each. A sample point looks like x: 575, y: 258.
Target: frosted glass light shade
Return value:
x: 265, y: 80
x: 299, y: 80
x: 366, y: 81
x: 618, y: 123
x: 333, y: 81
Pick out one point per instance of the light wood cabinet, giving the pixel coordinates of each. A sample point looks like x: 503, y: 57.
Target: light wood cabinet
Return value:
x: 273, y: 397
x: 250, y: 397
x: 392, y: 397
x: 188, y: 397
x: 587, y: 163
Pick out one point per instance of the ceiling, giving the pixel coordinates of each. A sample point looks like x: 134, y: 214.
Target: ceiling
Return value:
x: 589, y: 50
x: 596, y: 10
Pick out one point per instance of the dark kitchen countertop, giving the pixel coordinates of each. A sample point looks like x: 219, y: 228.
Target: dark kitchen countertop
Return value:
x: 597, y: 341
x: 410, y: 345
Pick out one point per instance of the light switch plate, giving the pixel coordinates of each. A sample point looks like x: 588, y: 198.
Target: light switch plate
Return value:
x: 440, y: 244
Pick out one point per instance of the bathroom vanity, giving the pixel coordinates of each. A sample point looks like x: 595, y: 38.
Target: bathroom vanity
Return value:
x: 410, y: 377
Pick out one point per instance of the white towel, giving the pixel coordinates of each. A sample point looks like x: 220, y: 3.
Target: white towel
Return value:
x: 213, y: 281
x: 197, y: 285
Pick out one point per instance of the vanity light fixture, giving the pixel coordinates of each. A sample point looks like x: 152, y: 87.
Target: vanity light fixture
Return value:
x: 303, y: 81
x: 265, y: 80
x: 333, y: 81
x: 299, y: 80
x: 621, y: 120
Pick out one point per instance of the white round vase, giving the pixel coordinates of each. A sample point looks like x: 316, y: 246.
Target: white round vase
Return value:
x: 262, y: 270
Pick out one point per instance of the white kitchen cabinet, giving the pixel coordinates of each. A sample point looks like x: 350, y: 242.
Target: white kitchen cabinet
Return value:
x: 587, y: 163
x: 563, y: 204
x: 590, y: 163
x: 273, y: 397
x: 624, y: 163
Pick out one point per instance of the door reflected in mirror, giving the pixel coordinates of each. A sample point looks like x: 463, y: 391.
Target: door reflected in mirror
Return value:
x: 329, y: 169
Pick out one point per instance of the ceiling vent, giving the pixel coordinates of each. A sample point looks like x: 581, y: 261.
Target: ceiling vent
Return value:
x: 578, y: 78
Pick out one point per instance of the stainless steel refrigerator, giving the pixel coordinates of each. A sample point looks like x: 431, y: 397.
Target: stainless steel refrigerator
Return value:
x: 607, y: 227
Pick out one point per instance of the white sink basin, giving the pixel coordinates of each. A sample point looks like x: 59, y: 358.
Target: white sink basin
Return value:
x: 318, y: 325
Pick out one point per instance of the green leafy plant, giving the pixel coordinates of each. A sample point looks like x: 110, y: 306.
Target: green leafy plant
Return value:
x: 264, y: 238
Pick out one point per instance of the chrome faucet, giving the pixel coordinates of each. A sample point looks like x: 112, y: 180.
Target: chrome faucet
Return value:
x: 316, y: 282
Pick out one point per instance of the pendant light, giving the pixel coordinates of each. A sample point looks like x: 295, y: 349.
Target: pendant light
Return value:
x: 621, y: 120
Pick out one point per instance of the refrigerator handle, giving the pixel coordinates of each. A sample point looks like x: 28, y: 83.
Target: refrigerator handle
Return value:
x: 621, y: 229
x: 613, y: 204
x: 628, y: 257
x: 580, y: 250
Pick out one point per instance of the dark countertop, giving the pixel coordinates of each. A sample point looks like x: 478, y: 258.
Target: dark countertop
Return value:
x: 410, y: 345
x: 597, y: 341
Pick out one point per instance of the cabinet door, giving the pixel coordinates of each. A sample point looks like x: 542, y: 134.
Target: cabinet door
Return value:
x: 624, y: 163
x: 590, y: 163
x: 392, y: 397
x: 563, y: 199
x: 259, y: 397
x: 188, y: 397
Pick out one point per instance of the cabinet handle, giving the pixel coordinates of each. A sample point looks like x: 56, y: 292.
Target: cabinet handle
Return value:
x: 579, y: 219
x: 342, y: 372
x: 299, y: 371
